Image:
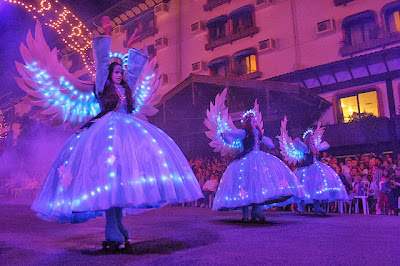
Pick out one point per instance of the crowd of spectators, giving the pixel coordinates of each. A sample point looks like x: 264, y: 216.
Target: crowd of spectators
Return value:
x: 376, y: 177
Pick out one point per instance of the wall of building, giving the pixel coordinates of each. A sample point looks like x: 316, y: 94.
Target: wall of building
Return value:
x: 284, y: 20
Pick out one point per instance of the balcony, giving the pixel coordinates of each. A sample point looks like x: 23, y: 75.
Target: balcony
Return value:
x: 211, y: 45
x: 341, y: 2
x: 214, y: 3
x: 232, y: 37
x: 244, y: 33
x: 366, y: 132
x: 379, y: 42
x: 251, y: 76
x: 146, y: 34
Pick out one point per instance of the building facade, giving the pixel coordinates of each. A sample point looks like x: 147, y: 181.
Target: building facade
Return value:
x: 346, y: 51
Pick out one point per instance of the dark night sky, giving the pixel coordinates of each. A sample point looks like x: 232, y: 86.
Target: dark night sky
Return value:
x: 14, y: 25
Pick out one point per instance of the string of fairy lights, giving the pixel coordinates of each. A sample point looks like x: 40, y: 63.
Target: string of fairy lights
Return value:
x: 72, y: 31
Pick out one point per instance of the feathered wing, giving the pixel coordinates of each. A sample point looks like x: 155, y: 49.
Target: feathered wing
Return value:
x: 218, y: 121
x: 147, y: 93
x: 290, y: 150
x: 259, y: 116
x: 61, y: 96
x: 318, y: 133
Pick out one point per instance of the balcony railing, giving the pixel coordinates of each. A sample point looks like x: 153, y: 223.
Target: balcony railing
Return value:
x: 364, y: 132
x: 250, y: 76
x: 211, y: 45
x: 341, y: 2
x: 382, y: 41
x: 217, y: 43
x: 214, y: 3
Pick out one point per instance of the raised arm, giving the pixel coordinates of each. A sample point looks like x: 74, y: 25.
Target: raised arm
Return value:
x: 101, y: 48
x: 136, y: 60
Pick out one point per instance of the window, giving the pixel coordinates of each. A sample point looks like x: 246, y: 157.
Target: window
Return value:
x: 359, y: 105
x: 360, y: 28
x: 219, y: 67
x: 145, y: 25
x: 151, y: 51
x: 245, y: 62
x: 391, y: 13
x: 217, y: 28
x: 242, y: 19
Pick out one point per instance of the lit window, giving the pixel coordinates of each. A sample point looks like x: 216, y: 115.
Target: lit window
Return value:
x: 251, y: 64
x: 358, y: 106
x: 245, y: 62
x: 360, y: 28
x: 392, y: 17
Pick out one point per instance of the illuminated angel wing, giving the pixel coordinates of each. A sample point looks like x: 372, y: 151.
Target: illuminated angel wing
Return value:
x: 147, y: 93
x: 290, y: 150
x: 318, y: 133
x: 218, y: 121
x: 61, y: 96
x: 259, y: 116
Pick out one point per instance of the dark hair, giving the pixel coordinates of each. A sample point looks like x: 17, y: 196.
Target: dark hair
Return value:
x: 311, y: 146
x: 128, y: 91
x: 249, y: 129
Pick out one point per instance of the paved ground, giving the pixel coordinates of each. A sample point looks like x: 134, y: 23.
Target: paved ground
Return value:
x: 194, y: 236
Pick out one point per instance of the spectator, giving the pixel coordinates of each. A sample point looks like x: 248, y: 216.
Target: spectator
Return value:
x: 346, y: 169
x: 209, y: 188
x: 360, y: 168
x: 353, y: 174
x: 384, y: 190
x: 358, y: 187
x: 395, y: 191
x: 325, y: 156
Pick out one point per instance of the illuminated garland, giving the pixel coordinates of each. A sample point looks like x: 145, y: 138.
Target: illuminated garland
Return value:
x: 72, y: 31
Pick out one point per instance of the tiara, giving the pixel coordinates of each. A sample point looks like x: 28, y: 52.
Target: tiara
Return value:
x: 308, y: 131
x: 248, y: 113
x: 120, y: 56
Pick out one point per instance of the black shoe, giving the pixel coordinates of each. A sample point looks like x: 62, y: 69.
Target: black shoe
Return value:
x: 245, y: 220
x: 258, y: 220
x: 262, y: 219
x: 113, y: 245
x: 127, y: 241
x: 320, y: 213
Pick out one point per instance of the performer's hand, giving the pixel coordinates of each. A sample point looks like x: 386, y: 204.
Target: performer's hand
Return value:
x: 106, y: 25
x: 133, y: 38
